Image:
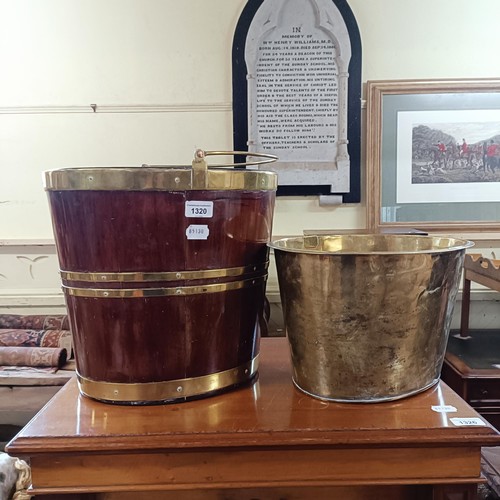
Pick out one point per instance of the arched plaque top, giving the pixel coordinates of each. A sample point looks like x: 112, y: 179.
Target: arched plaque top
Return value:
x: 301, y: 100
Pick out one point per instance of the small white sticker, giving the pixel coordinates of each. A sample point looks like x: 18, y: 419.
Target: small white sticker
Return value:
x: 467, y: 421
x: 444, y: 409
x: 204, y: 209
x: 197, y: 232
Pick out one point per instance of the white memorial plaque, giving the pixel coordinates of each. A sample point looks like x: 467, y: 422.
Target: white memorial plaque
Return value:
x: 297, y: 56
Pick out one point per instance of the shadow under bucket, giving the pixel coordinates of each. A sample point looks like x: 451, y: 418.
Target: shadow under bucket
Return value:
x: 368, y: 316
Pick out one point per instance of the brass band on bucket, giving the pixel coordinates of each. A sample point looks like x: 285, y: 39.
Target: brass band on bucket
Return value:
x: 164, y: 276
x: 167, y: 390
x: 123, y: 293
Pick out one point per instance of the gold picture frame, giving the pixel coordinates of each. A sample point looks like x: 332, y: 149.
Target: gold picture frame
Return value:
x: 407, y: 188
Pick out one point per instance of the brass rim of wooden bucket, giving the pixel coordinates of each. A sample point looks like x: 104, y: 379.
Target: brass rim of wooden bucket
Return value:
x: 168, y: 177
x: 167, y: 390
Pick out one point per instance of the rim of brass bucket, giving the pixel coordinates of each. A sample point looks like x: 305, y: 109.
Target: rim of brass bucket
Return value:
x: 369, y: 244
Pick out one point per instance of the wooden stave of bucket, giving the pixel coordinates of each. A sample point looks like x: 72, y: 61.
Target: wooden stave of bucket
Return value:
x: 163, y: 285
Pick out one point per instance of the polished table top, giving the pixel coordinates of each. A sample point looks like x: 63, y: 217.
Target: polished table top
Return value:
x: 267, y: 413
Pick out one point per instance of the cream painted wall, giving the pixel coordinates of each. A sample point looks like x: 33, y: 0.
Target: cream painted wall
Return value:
x: 159, y: 72
x: 165, y: 52
x: 428, y: 38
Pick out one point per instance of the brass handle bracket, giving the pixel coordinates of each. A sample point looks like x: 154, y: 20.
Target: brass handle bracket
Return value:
x: 199, y: 177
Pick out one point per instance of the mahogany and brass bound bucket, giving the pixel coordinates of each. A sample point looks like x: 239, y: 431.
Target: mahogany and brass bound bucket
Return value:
x: 367, y: 316
x: 164, y: 271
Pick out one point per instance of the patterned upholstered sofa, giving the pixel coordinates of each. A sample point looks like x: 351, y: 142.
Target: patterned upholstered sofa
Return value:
x: 34, y: 354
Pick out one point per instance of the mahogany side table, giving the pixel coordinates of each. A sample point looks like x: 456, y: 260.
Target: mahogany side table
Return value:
x: 263, y: 441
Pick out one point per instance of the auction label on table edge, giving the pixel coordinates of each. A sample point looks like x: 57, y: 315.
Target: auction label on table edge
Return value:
x: 444, y: 408
x: 466, y: 421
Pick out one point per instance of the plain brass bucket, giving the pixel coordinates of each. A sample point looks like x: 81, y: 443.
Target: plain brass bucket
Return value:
x: 367, y: 316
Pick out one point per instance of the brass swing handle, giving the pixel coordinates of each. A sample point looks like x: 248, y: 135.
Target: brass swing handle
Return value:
x: 200, y: 167
x: 200, y: 154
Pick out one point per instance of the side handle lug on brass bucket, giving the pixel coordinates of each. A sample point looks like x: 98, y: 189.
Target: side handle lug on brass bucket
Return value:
x: 311, y: 242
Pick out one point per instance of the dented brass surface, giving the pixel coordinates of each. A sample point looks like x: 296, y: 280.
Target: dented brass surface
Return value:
x: 368, y: 316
